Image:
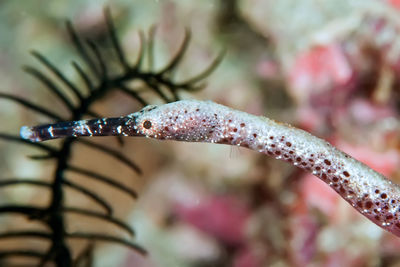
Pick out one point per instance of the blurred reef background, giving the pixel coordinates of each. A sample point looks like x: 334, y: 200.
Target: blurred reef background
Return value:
x: 329, y: 67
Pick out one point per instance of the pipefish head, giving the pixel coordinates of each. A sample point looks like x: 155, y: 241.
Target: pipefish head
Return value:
x: 185, y: 120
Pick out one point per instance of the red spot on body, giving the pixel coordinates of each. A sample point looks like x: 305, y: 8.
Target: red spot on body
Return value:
x: 383, y: 196
x: 235, y: 130
x: 327, y: 162
x: 255, y: 135
x: 288, y: 144
x: 368, y: 205
x: 242, y: 124
x: 345, y: 173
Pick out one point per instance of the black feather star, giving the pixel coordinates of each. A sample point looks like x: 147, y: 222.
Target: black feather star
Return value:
x: 98, y: 81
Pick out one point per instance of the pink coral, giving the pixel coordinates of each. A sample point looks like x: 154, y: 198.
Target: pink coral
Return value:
x: 247, y: 257
x: 320, y: 68
x: 316, y: 194
x: 223, y: 217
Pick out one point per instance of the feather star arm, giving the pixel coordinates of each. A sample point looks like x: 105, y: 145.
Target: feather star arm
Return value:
x: 369, y: 192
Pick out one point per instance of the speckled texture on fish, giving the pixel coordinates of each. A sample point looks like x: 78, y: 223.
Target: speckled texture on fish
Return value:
x: 367, y: 191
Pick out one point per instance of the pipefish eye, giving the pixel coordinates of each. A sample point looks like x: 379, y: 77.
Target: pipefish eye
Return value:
x: 147, y: 124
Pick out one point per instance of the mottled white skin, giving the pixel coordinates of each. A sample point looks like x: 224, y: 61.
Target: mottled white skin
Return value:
x: 367, y: 191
